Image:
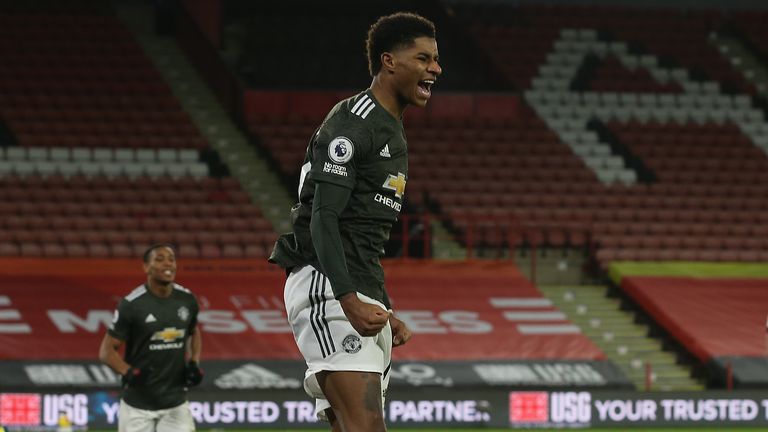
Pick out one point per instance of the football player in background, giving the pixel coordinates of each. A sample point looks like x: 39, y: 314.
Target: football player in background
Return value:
x: 157, y: 323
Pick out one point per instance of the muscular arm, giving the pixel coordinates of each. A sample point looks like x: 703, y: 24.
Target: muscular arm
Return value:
x: 109, y: 354
x: 195, y: 346
x: 329, y: 202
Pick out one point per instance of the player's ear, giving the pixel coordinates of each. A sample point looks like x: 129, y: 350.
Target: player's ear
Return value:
x: 146, y: 268
x: 388, y: 62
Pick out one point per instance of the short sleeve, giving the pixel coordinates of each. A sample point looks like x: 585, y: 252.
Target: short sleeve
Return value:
x: 120, y: 326
x: 337, y: 149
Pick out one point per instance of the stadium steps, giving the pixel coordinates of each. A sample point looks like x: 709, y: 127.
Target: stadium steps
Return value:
x: 553, y: 266
x: 444, y: 245
x: 254, y: 174
x: 624, y: 342
x: 742, y: 59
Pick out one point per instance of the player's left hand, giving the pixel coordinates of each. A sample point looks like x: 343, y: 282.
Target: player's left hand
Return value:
x: 193, y: 374
x: 400, y: 332
x: 133, y: 377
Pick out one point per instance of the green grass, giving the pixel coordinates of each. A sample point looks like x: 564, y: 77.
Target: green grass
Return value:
x: 623, y: 429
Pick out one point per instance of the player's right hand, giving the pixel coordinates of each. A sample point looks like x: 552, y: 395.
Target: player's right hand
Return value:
x: 368, y: 319
x: 132, y: 377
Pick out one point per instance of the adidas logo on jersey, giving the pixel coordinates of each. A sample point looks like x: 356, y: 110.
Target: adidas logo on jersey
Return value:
x: 385, y: 151
x: 249, y: 376
x: 150, y: 318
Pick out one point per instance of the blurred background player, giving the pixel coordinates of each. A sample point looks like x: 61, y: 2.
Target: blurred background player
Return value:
x: 157, y: 324
x: 350, y: 193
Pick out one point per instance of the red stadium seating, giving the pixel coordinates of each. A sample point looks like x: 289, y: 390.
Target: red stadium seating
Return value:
x: 112, y: 221
x: 77, y: 90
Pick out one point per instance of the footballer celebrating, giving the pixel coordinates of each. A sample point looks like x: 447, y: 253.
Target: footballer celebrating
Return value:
x: 157, y: 323
x: 350, y: 194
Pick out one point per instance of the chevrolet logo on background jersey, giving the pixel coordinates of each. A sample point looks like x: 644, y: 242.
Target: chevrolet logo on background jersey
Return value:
x: 395, y: 183
x: 169, y: 338
x: 169, y: 334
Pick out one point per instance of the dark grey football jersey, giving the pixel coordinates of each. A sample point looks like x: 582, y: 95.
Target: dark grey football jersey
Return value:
x: 155, y: 332
x: 362, y: 147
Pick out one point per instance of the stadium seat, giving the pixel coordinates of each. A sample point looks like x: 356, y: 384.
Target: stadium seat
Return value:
x: 210, y: 251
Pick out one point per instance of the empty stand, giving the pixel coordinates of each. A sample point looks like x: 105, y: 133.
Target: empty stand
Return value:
x: 520, y: 38
x: 536, y: 171
x: 105, y: 161
x: 712, y: 317
x: 121, y: 216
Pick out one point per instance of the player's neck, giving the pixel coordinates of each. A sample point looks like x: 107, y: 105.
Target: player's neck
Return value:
x: 160, y: 289
x: 387, y: 98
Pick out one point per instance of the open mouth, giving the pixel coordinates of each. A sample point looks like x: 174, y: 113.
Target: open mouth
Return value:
x: 425, y: 87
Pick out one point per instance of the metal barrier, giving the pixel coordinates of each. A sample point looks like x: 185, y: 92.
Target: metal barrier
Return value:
x: 491, y: 236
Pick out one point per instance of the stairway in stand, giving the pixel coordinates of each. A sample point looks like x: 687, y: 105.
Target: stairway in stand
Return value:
x: 624, y: 342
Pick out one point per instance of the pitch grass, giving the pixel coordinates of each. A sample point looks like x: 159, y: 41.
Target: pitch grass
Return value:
x: 730, y: 428
x: 624, y: 429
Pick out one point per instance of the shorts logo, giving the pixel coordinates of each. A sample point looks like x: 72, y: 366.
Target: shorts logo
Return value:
x: 341, y: 149
x: 183, y: 313
x: 352, y: 344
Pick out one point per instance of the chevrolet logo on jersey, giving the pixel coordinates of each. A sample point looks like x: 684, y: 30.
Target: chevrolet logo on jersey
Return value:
x: 396, y: 184
x: 168, y: 334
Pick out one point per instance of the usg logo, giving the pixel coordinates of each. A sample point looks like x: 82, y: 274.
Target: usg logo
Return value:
x: 571, y: 407
x: 528, y: 407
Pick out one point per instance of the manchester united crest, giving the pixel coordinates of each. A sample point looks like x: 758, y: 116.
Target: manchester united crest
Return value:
x: 183, y: 313
x: 352, y: 344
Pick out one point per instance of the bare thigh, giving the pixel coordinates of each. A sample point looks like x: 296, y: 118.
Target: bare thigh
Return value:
x: 335, y: 426
x: 355, y: 398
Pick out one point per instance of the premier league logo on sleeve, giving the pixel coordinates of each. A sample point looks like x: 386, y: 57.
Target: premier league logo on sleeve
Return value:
x: 341, y: 150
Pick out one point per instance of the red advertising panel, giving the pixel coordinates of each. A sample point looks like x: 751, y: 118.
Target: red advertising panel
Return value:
x: 59, y: 309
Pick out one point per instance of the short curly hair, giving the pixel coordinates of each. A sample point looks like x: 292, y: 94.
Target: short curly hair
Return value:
x: 148, y: 252
x: 394, y: 31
